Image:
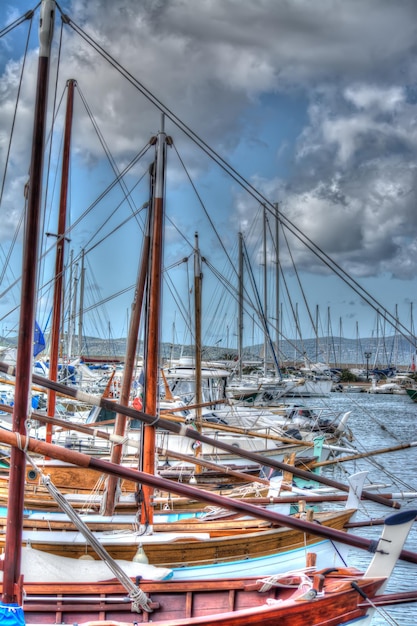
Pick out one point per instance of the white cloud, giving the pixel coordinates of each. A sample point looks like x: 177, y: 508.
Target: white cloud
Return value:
x: 351, y: 178
x: 375, y: 97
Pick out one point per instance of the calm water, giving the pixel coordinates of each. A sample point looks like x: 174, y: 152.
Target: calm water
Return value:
x: 380, y: 421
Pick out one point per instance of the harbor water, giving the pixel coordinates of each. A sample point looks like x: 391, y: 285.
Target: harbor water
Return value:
x: 383, y: 421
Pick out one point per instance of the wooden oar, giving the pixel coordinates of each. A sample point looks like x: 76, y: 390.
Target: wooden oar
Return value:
x: 156, y: 482
x: 364, y: 455
x: 181, y: 429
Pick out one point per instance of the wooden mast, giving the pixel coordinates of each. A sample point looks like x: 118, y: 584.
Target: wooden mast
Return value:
x: 240, y: 310
x: 265, y: 283
x: 151, y: 360
x: 12, y: 560
x: 198, y: 352
x: 130, y: 361
x: 59, y: 259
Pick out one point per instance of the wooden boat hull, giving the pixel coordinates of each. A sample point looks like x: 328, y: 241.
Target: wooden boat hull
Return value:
x: 229, y: 603
x: 85, y: 487
x: 183, y: 552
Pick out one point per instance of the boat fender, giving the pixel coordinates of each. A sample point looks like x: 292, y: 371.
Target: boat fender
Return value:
x: 137, y: 404
x: 11, y: 614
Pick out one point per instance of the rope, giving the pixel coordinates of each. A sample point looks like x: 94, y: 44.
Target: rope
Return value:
x: 140, y: 601
x: 274, y: 581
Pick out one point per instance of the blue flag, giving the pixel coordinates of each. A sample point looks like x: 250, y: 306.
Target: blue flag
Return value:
x: 38, y: 340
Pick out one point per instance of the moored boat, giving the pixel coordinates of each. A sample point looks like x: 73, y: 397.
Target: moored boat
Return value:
x: 328, y: 597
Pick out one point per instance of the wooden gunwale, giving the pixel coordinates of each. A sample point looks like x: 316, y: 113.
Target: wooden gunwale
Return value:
x: 230, y: 603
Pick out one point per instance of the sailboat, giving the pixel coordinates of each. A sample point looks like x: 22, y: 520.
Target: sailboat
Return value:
x: 324, y: 598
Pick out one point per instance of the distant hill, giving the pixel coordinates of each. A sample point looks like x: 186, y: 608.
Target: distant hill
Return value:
x: 337, y: 352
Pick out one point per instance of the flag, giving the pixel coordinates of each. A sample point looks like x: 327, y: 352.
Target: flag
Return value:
x: 38, y: 340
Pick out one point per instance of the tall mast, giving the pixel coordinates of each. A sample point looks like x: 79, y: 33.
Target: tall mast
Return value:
x: 59, y: 258
x: 277, y: 294
x: 81, y: 305
x: 198, y: 352
x: 240, y: 309
x: 151, y: 364
x: 130, y: 363
x: 12, y: 560
x: 265, y: 293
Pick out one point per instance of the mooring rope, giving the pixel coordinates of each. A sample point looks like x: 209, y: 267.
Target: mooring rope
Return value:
x: 140, y: 601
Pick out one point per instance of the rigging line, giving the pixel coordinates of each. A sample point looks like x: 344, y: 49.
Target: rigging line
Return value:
x: 108, y: 299
x: 251, y: 308
x: 180, y: 232
x: 107, y: 151
x: 11, y: 248
x: 233, y: 173
x: 204, y: 208
x: 15, y: 114
x: 351, y: 282
x: 115, y: 229
x: 108, y: 188
x: 79, y: 256
x: 296, y: 320
x: 133, y: 215
x: 138, y: 157
x: 55, y: 109
x: 232, y: 289
x: 8, y: 256
x: 178, y: 301
x: 88, y: 210
x: 177, y: 263
x: 264, y: 320
x: 299, y: 282
x: 27, y: 16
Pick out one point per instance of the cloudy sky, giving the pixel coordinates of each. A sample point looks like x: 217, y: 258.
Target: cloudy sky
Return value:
x: 313, y: 103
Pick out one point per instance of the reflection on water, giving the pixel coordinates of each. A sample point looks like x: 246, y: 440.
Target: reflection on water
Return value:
x: 382, y: 421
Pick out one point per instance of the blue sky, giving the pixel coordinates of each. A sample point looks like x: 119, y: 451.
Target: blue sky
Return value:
x: 313, y: 103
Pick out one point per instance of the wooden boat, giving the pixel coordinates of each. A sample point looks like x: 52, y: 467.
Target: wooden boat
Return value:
x: 177, y: 548
x: 229, y: 603
x: 86, y: 488
x: 222, y: 551
x: 328, y: 597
